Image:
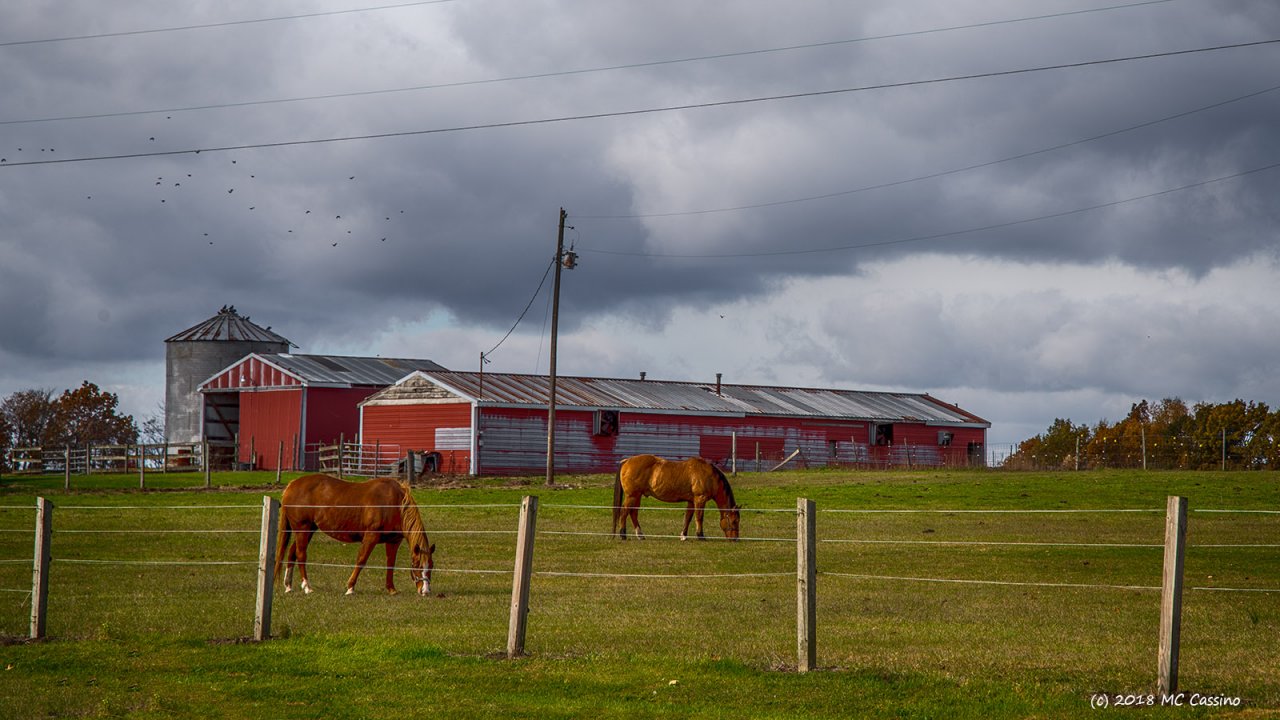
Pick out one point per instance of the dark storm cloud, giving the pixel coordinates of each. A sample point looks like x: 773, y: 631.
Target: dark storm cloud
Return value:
x: 99, y: 261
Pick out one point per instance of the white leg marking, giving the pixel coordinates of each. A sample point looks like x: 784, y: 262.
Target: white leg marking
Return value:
x: 351, y: 591
x: 306, y: 587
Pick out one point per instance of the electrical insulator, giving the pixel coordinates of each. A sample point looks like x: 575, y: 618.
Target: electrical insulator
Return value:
x: 569, y: 260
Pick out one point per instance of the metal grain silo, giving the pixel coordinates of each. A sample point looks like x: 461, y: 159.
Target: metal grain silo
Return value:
x: 196, y: 354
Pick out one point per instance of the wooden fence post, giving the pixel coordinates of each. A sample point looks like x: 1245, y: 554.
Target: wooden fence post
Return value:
x: 206, y: 461
x: 520, y: 578
x: 266, y: 568
x: 1175, y: 543
x: 342, y: 442
x: 66, y: 468
x: 409, y: 467
x: 279, y: 461
x: 806, y: 586
x: 40, y: 568
x: 142, y: 466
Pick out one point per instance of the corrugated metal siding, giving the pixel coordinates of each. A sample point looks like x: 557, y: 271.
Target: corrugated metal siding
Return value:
x: 515, y: 441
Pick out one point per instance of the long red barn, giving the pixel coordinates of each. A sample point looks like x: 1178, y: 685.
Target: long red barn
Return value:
x: 496, y: 424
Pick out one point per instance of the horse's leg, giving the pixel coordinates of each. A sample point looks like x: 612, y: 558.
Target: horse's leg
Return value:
x: 290, y: 561
x: 392, y: 548
x: 635, y: 519
x: 366, y: 549
x: 303, y: 538
x: 699, y: 505
x: 688, y: 515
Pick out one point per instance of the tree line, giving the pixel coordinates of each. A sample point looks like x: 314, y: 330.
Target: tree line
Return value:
x: 84, y: 416
x: 1166, y: 435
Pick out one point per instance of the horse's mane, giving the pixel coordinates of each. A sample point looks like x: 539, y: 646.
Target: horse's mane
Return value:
x: 727, y: 487
x: 411, y: 520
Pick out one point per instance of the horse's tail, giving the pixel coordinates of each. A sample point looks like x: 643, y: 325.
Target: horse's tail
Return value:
x: 282, y: 542
x: 617, y: 500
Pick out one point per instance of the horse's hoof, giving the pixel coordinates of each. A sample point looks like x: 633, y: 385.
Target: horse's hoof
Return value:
x: 351, y: 591
x: 683, y: 538
x: 307, y: 590
x: 288, y: 589
x: 392, y: 591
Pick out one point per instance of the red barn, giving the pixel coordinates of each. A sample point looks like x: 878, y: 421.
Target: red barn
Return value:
x: 498, y: 424
x: 266, y: 399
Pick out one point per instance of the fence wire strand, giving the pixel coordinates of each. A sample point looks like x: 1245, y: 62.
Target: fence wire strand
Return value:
x: 988, y: 542
x: 81, y: 561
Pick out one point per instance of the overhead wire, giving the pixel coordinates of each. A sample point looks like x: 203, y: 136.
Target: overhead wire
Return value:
x: 578, y: 71
x: 933, y: 175
x: 939, y: 235
x: 228, y: 23
x: 644, y: 111
x: 528, y: 305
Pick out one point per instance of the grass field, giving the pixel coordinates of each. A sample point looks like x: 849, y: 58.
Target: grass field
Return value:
x: 1073, y: 614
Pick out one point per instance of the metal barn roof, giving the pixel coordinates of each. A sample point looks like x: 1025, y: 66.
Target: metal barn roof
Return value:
x: 326, y: 370
x: 341, y: 369
x: 228, y: 326
x: 681, y: 397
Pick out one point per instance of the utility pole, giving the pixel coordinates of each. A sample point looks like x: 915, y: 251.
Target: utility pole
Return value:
x: 570, y: 261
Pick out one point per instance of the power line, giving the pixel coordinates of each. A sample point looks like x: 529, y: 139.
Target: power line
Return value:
x: 941, y: 235
x: 580, y: 71
x: 933, y: 175
x: 536, y: 293
x: 228, y: 23
x: 646, y: 111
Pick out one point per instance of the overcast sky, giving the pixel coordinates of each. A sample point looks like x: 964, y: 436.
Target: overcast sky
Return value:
x: 891, y: 194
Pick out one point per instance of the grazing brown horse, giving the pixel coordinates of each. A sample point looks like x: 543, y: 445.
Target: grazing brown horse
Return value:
x: 693, y: 481
x: 373, y: 512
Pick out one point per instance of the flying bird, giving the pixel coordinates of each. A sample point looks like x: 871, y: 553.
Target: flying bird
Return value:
x: 231, y: 191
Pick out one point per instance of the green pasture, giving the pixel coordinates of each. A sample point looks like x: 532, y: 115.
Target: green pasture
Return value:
x: 152, y: 599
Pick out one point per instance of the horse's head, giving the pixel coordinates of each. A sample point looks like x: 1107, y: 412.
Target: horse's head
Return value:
x: 421, y: 563
x: 729, y: 522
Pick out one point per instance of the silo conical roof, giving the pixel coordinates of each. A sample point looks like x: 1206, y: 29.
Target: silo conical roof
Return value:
x: 228, y: 325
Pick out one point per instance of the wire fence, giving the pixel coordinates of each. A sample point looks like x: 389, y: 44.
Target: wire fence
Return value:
x: 86, y: 520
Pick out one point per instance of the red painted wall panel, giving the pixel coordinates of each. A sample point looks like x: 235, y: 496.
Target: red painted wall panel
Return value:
x: 334, y: 412
x: 266, y: 419
x: 414, y: 427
